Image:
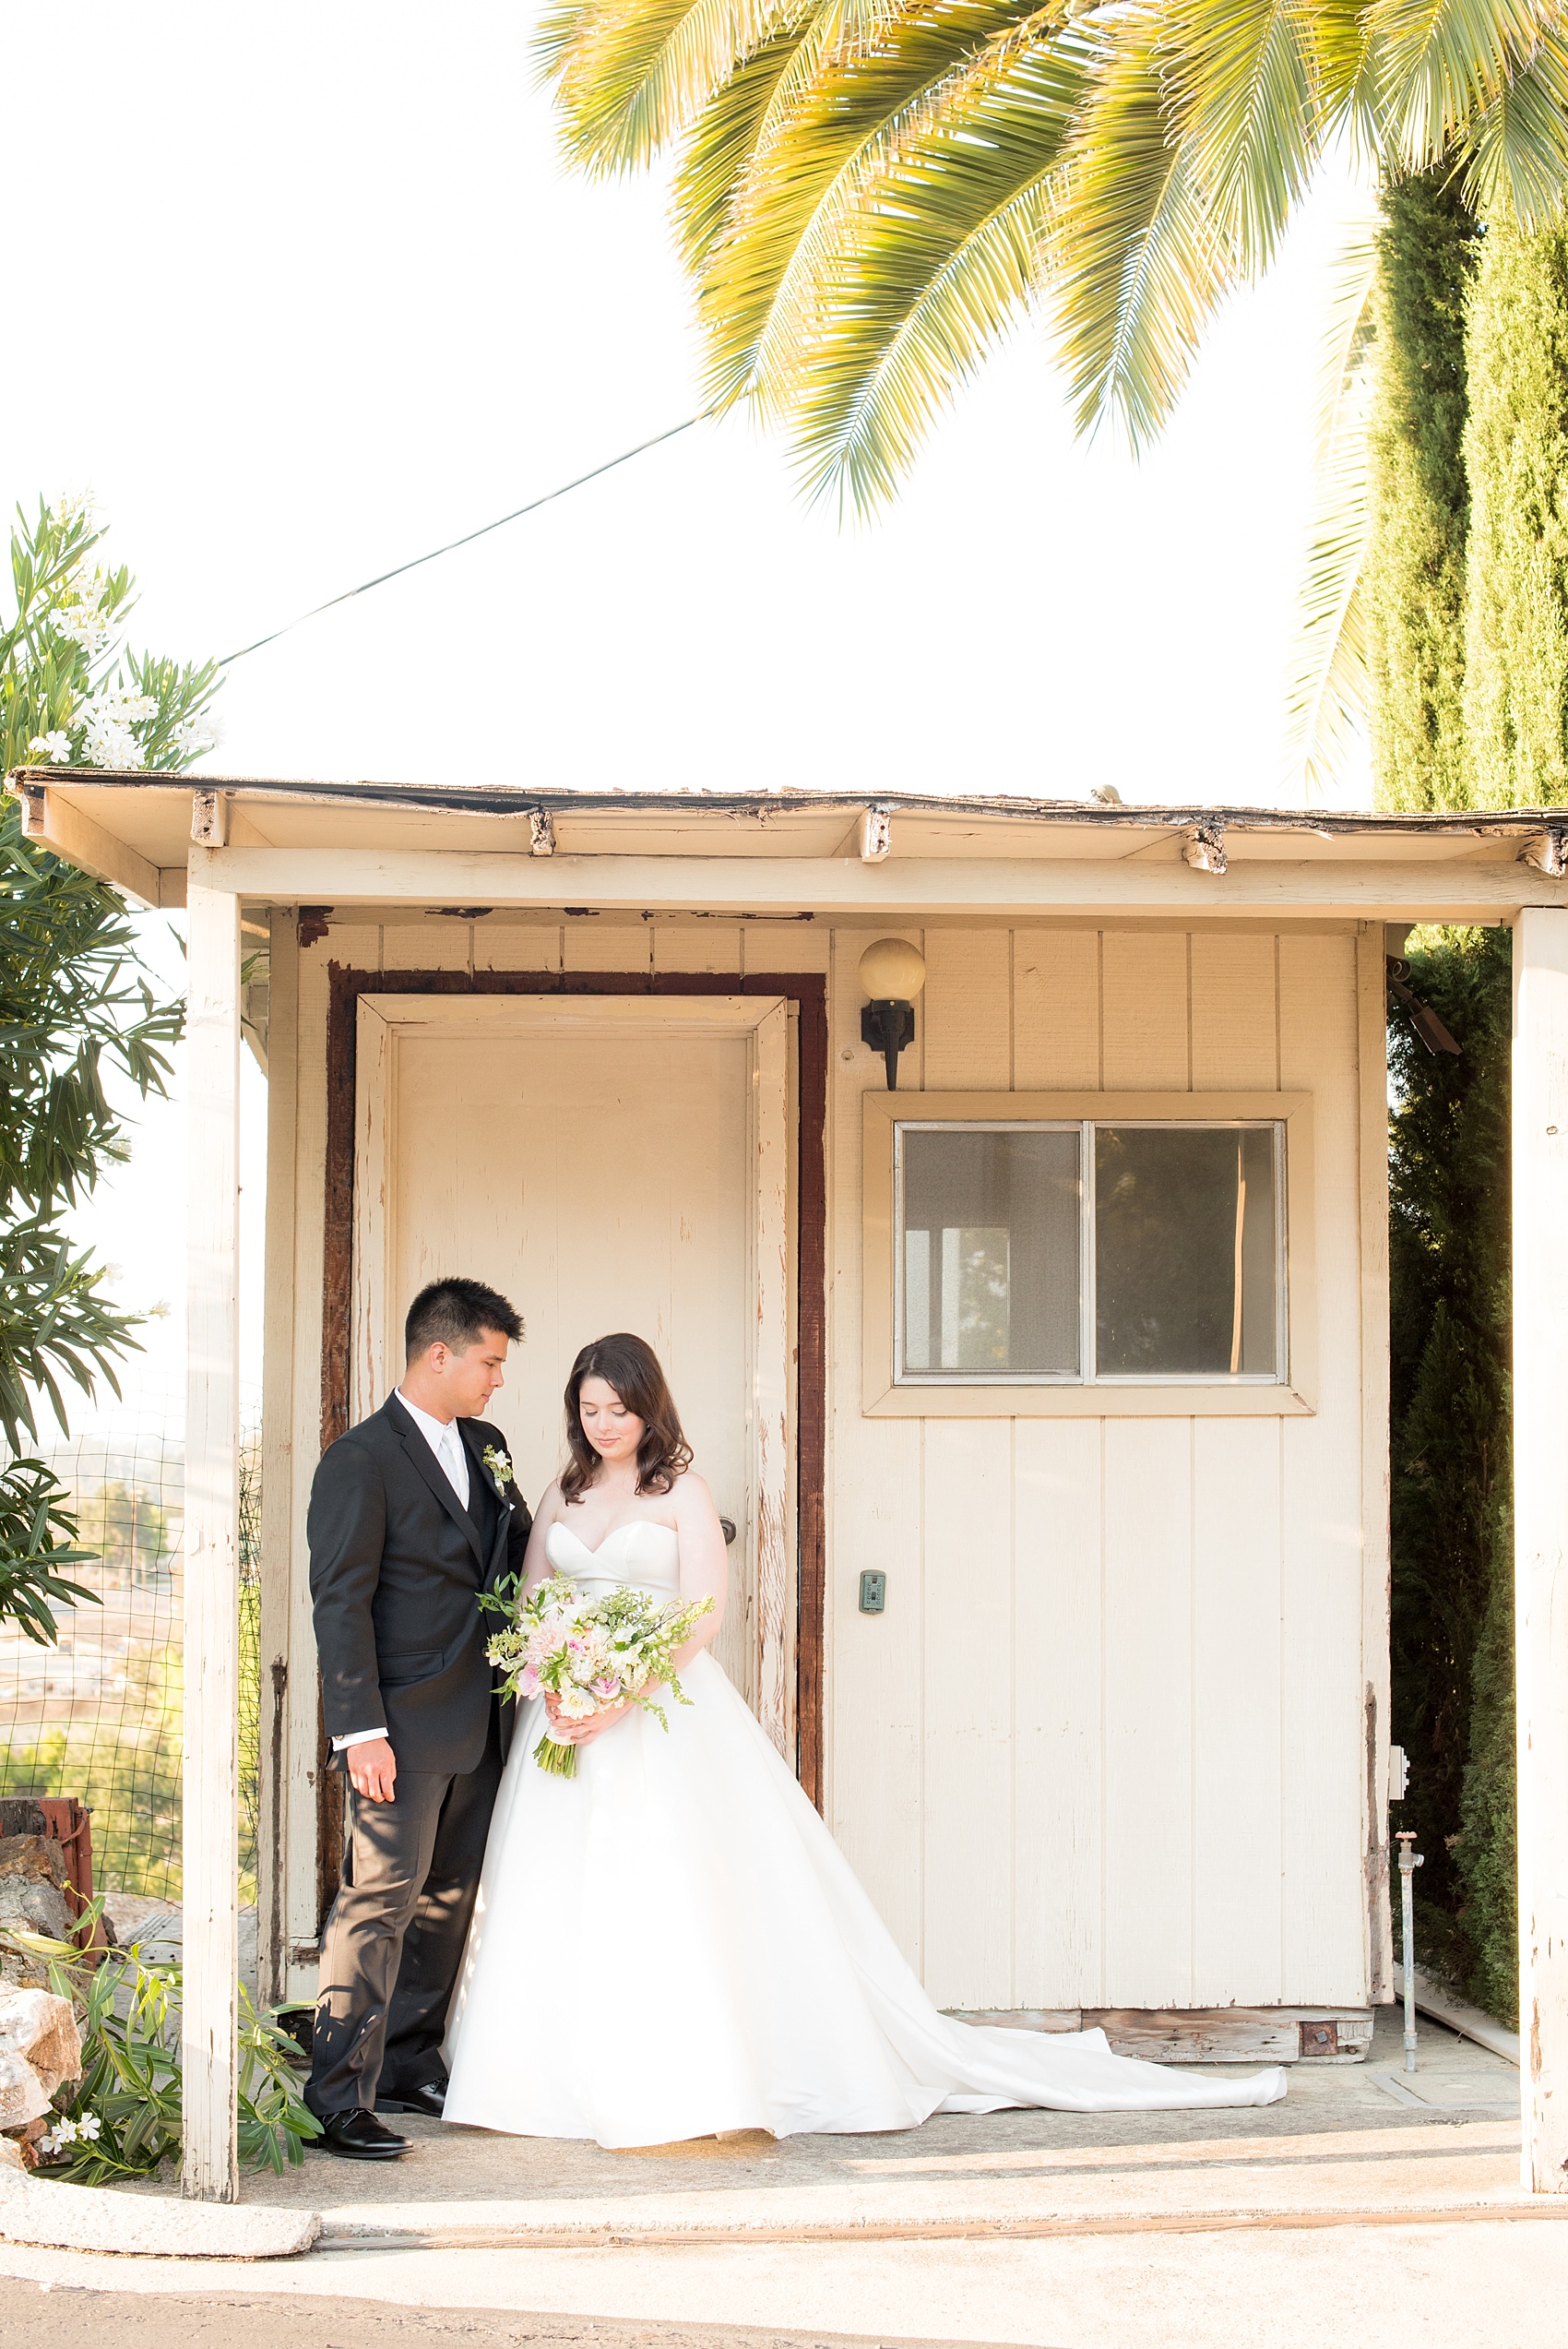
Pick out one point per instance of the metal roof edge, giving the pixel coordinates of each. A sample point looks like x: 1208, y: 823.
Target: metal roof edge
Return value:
x: 501, y: 800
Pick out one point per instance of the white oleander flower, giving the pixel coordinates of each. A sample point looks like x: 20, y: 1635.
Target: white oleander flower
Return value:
x: 108, y: 723
x: 89, y: 2126
x: 85, y: 624
x: 55, y: 745
x: 79, y: 607
x: 193, y: 737
x: 63, y: 2135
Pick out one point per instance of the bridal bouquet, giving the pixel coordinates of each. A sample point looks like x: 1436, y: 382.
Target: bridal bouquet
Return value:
x: 590, y: 1658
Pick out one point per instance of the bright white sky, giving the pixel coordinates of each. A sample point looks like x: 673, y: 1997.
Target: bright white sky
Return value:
x: 313, y: 293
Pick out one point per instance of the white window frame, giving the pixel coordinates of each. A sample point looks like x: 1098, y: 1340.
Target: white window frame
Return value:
x: 891, y: 1391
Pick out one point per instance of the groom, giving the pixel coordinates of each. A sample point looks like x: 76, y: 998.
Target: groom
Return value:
x: 412, y: 1515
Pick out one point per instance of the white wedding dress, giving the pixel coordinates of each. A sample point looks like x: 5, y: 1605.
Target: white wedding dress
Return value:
x: 670, y: 1944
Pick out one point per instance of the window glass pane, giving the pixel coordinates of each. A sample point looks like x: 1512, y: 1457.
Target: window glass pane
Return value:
x: 1185, y: 1260
x: 990, y: 1252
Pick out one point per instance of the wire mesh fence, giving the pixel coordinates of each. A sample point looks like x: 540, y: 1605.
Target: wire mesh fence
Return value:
x: 99, y: 1715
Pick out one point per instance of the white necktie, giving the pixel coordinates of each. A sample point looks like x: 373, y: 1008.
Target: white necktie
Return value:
x: 452, y: 1460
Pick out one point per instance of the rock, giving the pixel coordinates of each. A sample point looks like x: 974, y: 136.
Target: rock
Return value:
x: 23, y: 2096
x: 39, y: 2047
x: 37, y: 2025
x: 11, y: 2155
x: 36, y: 1858
x: 20, y: 1972
x: 32, y: 1885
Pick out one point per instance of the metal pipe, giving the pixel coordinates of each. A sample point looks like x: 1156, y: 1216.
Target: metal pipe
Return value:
x: 1409, y: 1863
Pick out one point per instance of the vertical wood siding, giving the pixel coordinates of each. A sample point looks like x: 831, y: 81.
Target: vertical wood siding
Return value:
x: 1106, y: 1746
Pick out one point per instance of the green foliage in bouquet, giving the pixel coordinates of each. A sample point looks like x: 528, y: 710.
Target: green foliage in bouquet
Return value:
x: 591, y: 1659
x: 122, y: 2119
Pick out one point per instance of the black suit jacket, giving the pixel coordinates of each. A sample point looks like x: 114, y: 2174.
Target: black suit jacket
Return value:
x: 397, y: 1567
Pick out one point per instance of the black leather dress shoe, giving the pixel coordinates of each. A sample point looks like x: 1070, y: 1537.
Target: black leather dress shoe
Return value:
x: 430, y: 2099
x: 358, y: 2137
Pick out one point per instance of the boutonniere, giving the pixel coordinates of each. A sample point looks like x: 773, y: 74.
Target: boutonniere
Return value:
x: 500, y: 1469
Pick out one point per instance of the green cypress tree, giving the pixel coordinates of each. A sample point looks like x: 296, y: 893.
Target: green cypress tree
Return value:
x: 1420, y: 499
x: 1429, y: 553
x: 1516, y: 457
x: 1452, y: 1682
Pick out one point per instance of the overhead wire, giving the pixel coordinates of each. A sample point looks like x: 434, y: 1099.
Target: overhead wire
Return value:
x: 467, y: 539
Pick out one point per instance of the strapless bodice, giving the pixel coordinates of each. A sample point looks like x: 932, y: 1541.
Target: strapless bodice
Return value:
x: 639, y: 1553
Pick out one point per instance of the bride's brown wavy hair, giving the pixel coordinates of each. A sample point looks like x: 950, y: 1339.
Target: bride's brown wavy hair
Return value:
x: 631, y: 1366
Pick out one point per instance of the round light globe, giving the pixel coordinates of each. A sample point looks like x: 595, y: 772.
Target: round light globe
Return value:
x: 892, y: 971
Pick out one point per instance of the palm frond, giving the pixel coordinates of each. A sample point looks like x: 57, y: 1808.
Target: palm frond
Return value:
x: 1442, y: 62
x: 1242, y: 81
x: 932, y: 278
x: 1329, y: 670
x: 1339, y: 36
x: 765, y: 284
x: 735, y: 125
x: 630, y: 74
x: 1137, y: 261
x: 1519, y: 146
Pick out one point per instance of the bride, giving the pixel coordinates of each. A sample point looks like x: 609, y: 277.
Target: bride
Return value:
x: 669, y: 1944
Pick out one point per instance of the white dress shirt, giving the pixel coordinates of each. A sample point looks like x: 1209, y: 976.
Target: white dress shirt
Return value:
x: 445, y: 1441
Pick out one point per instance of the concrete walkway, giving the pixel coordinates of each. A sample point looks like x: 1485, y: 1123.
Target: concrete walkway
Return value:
x: 1207, y: 2231
x: 1350, y: 2140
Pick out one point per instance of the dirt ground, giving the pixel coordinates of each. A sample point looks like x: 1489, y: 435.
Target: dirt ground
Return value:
x: 65, y: 2315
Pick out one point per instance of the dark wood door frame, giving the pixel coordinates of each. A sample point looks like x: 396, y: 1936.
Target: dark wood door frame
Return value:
x: 808, y: 992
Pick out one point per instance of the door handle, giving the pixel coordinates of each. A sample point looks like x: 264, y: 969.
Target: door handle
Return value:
x: 728, y: 1526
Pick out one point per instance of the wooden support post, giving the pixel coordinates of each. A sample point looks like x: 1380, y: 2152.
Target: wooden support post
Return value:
x: 279, y: 1602
x: 1541, y: 1532
x: 209, y: 2170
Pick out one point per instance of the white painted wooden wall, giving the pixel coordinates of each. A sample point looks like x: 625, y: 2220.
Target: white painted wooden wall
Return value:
x: 1120, y: 1736
x: 1126, y: 1664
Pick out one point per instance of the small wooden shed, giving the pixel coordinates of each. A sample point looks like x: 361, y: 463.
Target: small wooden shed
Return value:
x: 1048, y: 1392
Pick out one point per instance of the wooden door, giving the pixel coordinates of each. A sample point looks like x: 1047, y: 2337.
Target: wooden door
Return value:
x: 608, y: 1163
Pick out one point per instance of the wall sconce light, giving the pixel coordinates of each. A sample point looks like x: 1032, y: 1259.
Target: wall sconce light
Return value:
x: 1428, y: 1027
x: 892, y: 972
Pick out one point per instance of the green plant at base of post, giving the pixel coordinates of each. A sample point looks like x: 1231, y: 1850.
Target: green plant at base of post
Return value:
x: 129, y: 2015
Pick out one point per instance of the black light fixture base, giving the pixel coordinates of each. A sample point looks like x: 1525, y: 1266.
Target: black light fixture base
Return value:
x: 887, y: 1026
x: 1428, y: 1027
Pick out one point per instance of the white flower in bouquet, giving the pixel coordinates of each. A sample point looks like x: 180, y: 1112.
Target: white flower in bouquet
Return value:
x: 591, y: 1659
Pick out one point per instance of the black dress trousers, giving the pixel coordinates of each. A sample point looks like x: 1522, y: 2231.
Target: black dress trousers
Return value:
x: 395, y: 1939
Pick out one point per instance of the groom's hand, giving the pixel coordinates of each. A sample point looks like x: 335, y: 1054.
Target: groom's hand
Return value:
x: 373, y: 1769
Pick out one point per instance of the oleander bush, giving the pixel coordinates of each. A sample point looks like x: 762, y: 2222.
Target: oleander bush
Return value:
x: 122, y: 2118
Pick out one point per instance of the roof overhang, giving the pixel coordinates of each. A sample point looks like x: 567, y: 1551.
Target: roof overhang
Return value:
x: 888, y: 855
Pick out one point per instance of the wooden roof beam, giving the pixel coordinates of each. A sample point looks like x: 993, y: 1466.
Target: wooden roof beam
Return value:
x: 1022, y: 889
x: 48, y: 821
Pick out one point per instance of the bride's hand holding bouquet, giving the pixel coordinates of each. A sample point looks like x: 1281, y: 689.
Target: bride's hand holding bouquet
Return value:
x: 589, y: 1662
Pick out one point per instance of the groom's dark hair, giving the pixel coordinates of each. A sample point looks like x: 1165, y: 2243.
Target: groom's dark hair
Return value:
x: 455, y: 1314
